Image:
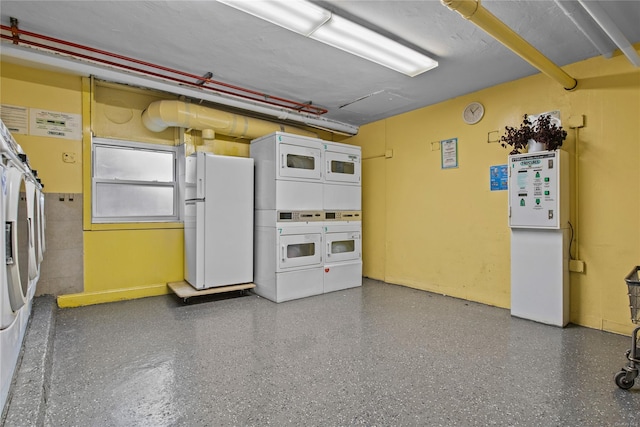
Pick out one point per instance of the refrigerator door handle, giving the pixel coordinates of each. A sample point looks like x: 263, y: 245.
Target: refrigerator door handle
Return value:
x: 199, y: 187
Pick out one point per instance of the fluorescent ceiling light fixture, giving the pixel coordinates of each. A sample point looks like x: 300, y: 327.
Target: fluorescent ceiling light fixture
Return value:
x: 298, y: 16
x: 317, y: 23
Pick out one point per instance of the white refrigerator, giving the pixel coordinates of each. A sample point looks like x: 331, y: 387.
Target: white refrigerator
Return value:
x: 218, y: 221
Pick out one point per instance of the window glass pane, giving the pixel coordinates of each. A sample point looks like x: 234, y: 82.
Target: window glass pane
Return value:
x: 300, y: 250
x: 133, y: 165
x: 132, y: 200
x: 342, y: 246
x: 297, y: 161
x: 342, y: 167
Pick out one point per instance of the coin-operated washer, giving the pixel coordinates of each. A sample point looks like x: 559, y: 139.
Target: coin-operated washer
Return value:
x: 15, y: 303
x: 540, y: 237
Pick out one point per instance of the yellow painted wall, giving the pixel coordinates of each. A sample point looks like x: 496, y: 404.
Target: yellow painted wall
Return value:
x: 372, y: 139
x: 445, y: 231
x: 26, y: 87
x: 132, y: 257
x: 118, y: 259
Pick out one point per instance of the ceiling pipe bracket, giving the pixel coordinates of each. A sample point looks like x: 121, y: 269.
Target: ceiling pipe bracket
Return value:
x: 15, y: 31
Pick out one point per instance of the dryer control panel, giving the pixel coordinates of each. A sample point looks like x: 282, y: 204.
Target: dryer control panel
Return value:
x: 298, y: 216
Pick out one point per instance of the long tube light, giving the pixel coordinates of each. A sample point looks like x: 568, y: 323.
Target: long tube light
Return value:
x: 312, y: 21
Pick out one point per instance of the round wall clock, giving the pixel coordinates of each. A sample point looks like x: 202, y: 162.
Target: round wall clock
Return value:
x: 473, y: 113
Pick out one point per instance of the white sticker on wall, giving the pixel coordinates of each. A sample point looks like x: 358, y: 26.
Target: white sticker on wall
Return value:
x: 15, y: 118
x: 55, y: 124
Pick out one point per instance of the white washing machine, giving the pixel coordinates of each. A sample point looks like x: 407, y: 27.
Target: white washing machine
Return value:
x: 288, y: 254
x: 30, y: 227
x: 342, y: 176
x: 288, y: 172
x: 15, y: 303
x: 343, y: 251
x: 39, y: 223
x: 43, y: 222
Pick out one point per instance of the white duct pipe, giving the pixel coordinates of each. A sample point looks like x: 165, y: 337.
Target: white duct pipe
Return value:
x: 588, y: 27
x: 608, y: 26
x: 85, y: 68
x: 160, y: 115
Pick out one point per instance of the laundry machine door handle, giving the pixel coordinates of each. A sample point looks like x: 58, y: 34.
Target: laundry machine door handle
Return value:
x: 283, y: 258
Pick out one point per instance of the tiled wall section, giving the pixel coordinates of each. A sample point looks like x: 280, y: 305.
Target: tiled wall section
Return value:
x: 62, y: 267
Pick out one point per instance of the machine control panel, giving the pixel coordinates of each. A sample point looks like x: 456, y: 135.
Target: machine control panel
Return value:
x: 300, y: 216
x: 536, y: 190
x: 343, y: 215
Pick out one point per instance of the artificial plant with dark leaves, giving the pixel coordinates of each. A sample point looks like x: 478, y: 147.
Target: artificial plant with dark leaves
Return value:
x: 542, y: 131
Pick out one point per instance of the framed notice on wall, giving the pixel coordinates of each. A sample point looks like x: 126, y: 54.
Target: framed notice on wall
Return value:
x: 449, y: 153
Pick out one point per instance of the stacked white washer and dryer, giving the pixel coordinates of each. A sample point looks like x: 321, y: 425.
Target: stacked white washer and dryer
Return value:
x: 307, y: 216
x: 22, y: 213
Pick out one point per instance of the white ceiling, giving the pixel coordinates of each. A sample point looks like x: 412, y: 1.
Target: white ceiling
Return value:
x: 202, y: 36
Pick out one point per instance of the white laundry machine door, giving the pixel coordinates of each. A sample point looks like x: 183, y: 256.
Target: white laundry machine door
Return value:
x: 299, y: 247
x: 18, y: 240
x: 30, y: 201
x: 343, y: 256
x: 299, y: 159
x: 7, y: 312
x: 342, y: 163
x: 43, y: 223
x: 343, y: 243
x: 342, y: 177
x: 38, y: 228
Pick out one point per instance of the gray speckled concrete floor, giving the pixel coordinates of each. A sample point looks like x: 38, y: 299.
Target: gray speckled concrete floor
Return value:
x: 377, y: 355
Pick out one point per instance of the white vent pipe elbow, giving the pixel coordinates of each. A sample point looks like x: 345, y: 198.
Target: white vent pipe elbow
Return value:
x: 160, y: 115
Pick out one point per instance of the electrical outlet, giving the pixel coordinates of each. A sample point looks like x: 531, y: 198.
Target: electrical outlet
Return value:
x: 69, y: 157
x: 388, y: 154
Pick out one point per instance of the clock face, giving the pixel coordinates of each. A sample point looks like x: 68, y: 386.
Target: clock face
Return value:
x: 473, y: 113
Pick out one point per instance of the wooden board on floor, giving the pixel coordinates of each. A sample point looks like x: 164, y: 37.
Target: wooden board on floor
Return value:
x: 185, y: 290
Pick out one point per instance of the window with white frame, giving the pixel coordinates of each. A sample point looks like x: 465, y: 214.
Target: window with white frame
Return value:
x: 134, y: 182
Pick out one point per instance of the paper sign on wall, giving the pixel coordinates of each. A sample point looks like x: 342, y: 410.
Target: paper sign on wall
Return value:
x: 15, y: 118
x: 449, y: 153
x: 55, y: 124
x: 499, y: 177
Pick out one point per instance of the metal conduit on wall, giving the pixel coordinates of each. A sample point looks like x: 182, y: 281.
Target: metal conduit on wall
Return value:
x: 473, y: 11
x: 160, y: 115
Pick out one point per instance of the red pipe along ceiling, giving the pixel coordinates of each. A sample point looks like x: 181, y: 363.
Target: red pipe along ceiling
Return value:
x: 125, y: 63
